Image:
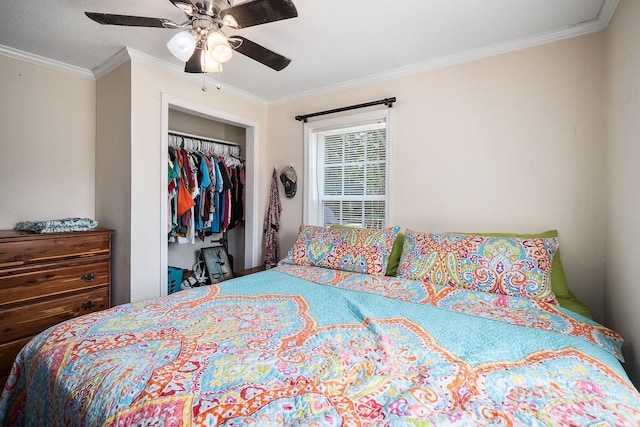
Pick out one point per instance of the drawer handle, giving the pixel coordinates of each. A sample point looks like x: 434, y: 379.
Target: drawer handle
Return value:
x: 88, y: 306
x: 89, y: 277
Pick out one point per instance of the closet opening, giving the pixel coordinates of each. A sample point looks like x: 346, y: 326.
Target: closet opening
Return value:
x: 209, y: 129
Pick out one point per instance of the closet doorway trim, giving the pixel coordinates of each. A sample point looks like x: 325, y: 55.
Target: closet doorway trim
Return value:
x: 252, y: 229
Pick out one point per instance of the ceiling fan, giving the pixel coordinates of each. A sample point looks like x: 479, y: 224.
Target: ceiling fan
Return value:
x: 202, y: 44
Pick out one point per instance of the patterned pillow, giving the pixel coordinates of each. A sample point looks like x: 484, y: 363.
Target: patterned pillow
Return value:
x: 502, y: 265
x: 357, y: 249
x: 394, y: 256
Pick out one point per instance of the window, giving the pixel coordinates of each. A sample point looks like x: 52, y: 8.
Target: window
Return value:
x: 347, y: 167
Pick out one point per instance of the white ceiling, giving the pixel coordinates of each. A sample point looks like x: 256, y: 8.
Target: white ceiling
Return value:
x: 332, y: 46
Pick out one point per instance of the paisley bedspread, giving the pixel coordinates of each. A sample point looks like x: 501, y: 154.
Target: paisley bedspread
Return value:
x: 316, y: 347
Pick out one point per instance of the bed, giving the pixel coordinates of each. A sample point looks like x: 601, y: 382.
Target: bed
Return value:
x: 327, y: 338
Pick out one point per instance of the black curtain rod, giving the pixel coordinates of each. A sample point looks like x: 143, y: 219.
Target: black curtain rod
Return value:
x: 387, y: 101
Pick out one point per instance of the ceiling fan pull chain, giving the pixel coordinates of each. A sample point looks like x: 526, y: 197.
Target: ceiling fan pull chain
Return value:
x: 204, y: 82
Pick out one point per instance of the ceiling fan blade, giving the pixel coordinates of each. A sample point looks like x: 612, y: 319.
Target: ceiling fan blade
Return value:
x: 256, y: 12
x: 262, y: 54
x: 131, y: 21
x: 185, y: 5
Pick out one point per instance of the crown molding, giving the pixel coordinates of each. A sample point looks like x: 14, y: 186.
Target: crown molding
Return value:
x: 119, y: 58
x: 606, y: 12
x: 44, y: 62
x: 123, y: 55
x: 126, y: 53
x: 593, y: 26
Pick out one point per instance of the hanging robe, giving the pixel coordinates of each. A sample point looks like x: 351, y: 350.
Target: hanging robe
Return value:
x: 272, y: 223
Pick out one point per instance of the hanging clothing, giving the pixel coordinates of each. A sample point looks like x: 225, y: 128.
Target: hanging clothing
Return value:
x: 272, y: 223
x: 184, y: 199
x: 217, y: 205
x: 205, y: 181
x: 226, y: 194
x: 202, y: 191
x: 237, y: 199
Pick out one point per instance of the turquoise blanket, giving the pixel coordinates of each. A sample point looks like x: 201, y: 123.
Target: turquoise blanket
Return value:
x: 276, y: 348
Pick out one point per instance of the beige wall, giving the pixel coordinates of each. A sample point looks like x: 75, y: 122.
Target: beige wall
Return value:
x: 622, y: 289
x: 509, y: 143
x: 47, y: 141
x: 196, y: 125
x: 113, y: 172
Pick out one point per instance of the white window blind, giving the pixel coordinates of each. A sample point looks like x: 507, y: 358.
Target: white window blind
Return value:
x: 348, y: 167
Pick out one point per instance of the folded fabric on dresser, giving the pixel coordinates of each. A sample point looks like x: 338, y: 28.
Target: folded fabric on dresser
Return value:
x: 58, y: 225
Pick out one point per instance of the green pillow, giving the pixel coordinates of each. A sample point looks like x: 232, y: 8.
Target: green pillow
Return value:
x: 572, y: 303
x: 396, y: 251
x: 558, y: 280
x: 394, y: 256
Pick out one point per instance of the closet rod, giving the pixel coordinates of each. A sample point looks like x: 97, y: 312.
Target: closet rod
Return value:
x: 387, y: 101
x: 204, y: 138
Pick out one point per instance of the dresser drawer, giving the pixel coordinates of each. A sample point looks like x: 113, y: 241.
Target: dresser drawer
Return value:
x: 46, y: 279
x: 35, y: 249
x: 24, y: 285
x: 21, y: 322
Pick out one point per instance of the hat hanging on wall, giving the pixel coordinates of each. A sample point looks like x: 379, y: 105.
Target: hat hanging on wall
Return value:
x: 289, y: 178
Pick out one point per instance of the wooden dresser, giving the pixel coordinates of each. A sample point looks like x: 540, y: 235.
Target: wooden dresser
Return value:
x: 46, y: 279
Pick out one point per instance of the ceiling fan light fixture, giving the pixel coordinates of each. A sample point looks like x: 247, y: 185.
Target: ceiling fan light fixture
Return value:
x: 182, y: 45
x: 219, y: 48
x: 201, y: 62
x: 211, y: 66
